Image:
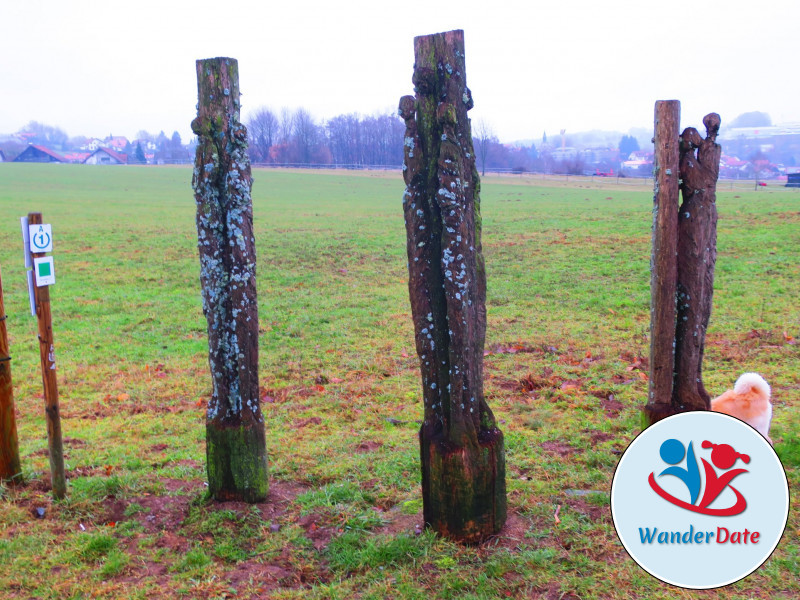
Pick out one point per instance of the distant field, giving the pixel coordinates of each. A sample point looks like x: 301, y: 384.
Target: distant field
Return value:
x: 567, y: 341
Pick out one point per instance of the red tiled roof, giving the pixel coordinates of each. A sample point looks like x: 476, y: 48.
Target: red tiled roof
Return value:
x: 76, y: 156
x: 48, y: 152
x: 118, y: 156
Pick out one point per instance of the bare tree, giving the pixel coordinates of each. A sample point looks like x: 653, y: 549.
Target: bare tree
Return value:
x: 344, y: 139
x: 305, y: 135
x: 483, y: 138
x: 263, y: 127
x: 47, y: 135
x: 285, y: 126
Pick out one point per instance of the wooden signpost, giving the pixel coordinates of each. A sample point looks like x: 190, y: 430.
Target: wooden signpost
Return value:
x: 10, y: 469
x: 38, y: 244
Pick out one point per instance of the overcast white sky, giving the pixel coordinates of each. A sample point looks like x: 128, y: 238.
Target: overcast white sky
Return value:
x: 94, y: 67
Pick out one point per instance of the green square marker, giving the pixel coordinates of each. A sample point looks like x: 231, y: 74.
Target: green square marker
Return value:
x: 44, y: 271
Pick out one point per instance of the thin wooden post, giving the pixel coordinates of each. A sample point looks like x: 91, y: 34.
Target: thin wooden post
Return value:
x: 48, y: 359
x: 663, y: 261
x: 235, y: 439
x: 461, y: 448
x: 10, y: 468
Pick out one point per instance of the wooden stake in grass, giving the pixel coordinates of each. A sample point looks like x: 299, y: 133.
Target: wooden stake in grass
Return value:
x: 235, y: 440
x: 10, y: 468
x: 47, y: 357
x: 461, y: 448
x: 663, y: 263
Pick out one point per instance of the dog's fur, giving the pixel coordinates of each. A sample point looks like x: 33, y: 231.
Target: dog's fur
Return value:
x: 749, y: 402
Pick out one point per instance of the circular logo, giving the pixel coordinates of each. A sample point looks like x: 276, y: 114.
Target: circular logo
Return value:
x: 699, y: 500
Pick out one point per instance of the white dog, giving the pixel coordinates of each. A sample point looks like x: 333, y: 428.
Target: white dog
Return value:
x: 749, y: 402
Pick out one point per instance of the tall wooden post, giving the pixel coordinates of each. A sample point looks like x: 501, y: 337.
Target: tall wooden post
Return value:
x: 461, y: 448
x: 10, y: 468
x: 235, y: 440
x: 48, y: 360
x: 663, y: 261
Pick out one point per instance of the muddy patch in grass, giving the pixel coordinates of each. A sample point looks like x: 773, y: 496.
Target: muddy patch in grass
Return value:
x: 608, y: 403
x: 156, y: 513
x: 368, y: 446
x: 558, y: 448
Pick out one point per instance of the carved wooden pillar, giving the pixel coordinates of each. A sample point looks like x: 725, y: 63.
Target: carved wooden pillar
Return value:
x: 697, y: 257
x: 461, y: 448
x: 235, y: 441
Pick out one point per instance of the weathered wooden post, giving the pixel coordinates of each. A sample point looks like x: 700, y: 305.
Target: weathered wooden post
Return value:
x: 461, y: 448
x: 697, y: 257
x: 683, y: 261
x: 663, y: 263
x: 10, y: 468
x: 235, y: 439
x: 41, y: 295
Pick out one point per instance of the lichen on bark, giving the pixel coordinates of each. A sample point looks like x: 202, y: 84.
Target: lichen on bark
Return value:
x: 221, y: 182
x: 463, y: 466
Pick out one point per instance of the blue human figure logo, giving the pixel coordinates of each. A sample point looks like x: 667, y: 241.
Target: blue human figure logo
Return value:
x: 672, y: 452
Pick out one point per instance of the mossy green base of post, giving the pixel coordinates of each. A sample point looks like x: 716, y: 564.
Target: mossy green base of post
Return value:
x: 464, y: 487
x: 237, y: 462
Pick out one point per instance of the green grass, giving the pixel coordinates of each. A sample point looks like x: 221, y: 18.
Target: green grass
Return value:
x: 568, y: 315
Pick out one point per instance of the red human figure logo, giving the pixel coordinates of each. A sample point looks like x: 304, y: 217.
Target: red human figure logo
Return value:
x: 723, y: 456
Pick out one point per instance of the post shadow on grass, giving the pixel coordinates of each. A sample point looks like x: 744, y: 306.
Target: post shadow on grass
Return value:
x: 684, y: 254
x: 461, y: 448
x: 235, y: 441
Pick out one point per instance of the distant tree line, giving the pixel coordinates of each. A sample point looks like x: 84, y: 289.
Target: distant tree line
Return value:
x: 295, y: 137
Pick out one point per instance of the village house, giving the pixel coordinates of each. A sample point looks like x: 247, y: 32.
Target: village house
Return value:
x: 39, y: 154
x: 92, y: 144
x: 116, y: 142
x: 106, y: 156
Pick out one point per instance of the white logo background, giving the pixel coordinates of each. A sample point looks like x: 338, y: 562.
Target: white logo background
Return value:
x: 635, y: 506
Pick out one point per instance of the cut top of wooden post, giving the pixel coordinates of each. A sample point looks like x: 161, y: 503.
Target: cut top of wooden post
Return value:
x: 218, y: 93
x: 439, y: 68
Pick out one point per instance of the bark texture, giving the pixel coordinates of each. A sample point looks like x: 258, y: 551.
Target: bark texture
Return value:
x: 683, y: 261
x: 663, y: 266
x: 10, y: 469
x: 235, y: 439
x: 461, y: 448
x: 697, y: 257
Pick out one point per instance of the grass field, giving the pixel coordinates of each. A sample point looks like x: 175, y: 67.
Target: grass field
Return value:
x: 567, y: 342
